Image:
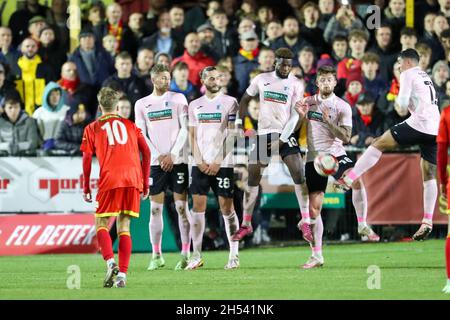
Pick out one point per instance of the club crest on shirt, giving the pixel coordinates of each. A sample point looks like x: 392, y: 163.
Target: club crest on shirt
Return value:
x: 218, y: 107
x: 160, y: 115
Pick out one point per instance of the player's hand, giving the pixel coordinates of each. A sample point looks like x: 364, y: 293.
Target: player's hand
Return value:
x: 213, y: 169
x: 87, y: 196
x: 250, y: 133
x: 326, y: 115
x: 369, y: 141
x: 354, y: 139
x: 203, y: 167
x: 166, y: 163
x: 443, y: 189
x: 145, y: 192
x: 169, y: 162
x: 302, y: 108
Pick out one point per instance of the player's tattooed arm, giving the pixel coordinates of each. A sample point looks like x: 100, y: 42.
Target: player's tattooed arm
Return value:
x: 343, y: 133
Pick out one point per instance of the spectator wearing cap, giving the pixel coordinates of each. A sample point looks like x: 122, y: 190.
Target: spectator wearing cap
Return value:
x: 394, y: 15
x: 291, y: 38
x: 34, y: 75
x: 196, y: 59
x: 373, y: 83
x: 50, y: 49
x: 306, y: 62
x: 35, y: 26
x: 51, y: 114
x: 206, y: 35
x: 133, y: 35
x: 343, y: 23
x: 408, y: 38
x: 385, y: 50
x: 309, y: 29
x: 133, y: 87
x: 70, y: 133
x: 94, y: 65
x: 164, y: 40
x: 325, y: 60
x: 355, y: 86
x: 246, y: 61
x: 440, y: 75
x: 113, y: 25
x: 18, y: 131
x: 18, y: 22
x: 76, y: 92
x: 144, y: 63
x: 224, y: 36
x: 180, y: 82
x: 8, y: 54
x: 368, y: 123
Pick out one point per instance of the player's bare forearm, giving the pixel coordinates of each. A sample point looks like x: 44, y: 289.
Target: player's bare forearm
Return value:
x: 198, y: 158
x: 87, y: 166
x: 243, y: 105
x: 442, y: 162
x: 145, y: 151
x: 343, y: 133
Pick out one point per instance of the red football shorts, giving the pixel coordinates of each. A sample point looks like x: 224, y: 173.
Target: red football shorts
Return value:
x: 114, y: 202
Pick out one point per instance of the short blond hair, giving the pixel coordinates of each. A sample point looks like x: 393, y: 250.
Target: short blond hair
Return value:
x: 108, y: 99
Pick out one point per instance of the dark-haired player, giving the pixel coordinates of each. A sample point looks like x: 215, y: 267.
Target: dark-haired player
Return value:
x: 278, y: 92
x: 417, y: 94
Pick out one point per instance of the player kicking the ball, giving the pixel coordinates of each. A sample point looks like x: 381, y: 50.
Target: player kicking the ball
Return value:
x: 211, y: 130
x: 278, y: 92
x: 417, y: 94
x: 116, y: 142
x: 329, y: 121
x: 163, y: 117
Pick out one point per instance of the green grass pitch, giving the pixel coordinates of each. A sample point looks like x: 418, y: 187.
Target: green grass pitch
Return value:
x: 408, y: 271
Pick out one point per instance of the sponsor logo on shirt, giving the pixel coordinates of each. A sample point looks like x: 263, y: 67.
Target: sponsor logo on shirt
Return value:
x: 275, y: 97
x: 210, y: 117
x: 160, y: 115
x: 315, y: 116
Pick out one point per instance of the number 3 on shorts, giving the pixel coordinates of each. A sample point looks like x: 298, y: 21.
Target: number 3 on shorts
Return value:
x: 180, y: 179
x: 224, y: 183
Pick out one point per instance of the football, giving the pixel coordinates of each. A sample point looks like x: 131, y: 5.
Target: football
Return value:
x: 326, y: 164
